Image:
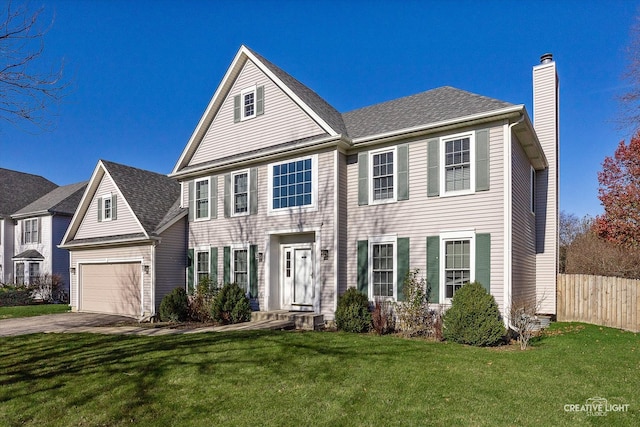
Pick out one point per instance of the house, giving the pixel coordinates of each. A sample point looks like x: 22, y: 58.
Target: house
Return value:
x: 296, y: 201
x: 39, y: 228
x: 126, y: 241
x: 17, y: 190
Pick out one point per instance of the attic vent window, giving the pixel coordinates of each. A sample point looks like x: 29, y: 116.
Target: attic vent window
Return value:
x: 249, y: 104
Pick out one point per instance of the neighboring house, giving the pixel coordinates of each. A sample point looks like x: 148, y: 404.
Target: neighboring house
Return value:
x: 39, y: 228
x: 127, y: 242
x: 296, y: 202
x: 17, y: 190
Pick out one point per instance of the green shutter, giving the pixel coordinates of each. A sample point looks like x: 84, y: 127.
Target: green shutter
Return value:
x: 190, y: 271
x: 403, y: 172
x: 483, y: 260
x: 363, y: 266
x: 236, y: 108
x: 192, y: 201
x: 114, y: 207
x: 99, y: 209
x: 226, y: 264
x: 253, y: 191
x: 253, y: 271
x: 213, y: 182
x: 213, y: 266
x: 433, y: 170
x: 260, y: 100
x: 227, y: 195
x: 363, y: 178
x: 403, y: 264
x: 482, y: 160
x: 433, y: 268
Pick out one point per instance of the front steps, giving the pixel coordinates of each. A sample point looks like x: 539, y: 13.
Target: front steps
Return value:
x: 304, y: 320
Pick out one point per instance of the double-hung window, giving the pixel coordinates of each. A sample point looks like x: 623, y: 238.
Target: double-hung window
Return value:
x: 202, y: 199
x: 240, y: 182
x: 34, y: 272
x: 383, y: 175
x: 20, y: 273
x: 240, y: 271
x: 458, y: 261
x: 202, y: 266
x: 30, y: 232
x: 382, y: 262
x: 457, y: 164
x: 293, y: 184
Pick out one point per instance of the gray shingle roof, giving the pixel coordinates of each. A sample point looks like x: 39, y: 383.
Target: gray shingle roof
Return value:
x: 18, y: 189
x: 151, y: 195
x: 309, y: 97
x: 29, y: 254
x: 432, y: 106
x: 62, y: 200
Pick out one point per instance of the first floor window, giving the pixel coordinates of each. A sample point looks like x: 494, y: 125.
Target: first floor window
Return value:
x: 34, y: 271
x: 382, y: 269
x: 241, y: 268
x: 202, y: 199
x: 20, y: 273
x: 457, y: 265
x: 202, y: 266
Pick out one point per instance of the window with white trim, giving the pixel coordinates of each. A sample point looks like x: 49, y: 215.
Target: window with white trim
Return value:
x: 248, y: 103
x: 202, y: 199
x: 240, y: 268
x: 30, y: 230
x: 34, y: 271
x: 202, y: 266
x: 458, y: 171
x: 457, y: 261
x: 383, y: 267
x: 20, y: 273
x: 293, y: 184
x: 383, y: 175
x: 240, y: 182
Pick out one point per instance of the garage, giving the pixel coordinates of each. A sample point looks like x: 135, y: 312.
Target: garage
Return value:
x: 113, y: 288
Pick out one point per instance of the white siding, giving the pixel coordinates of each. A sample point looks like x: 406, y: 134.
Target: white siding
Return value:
x: 126, y: 222
x: 523, y: 273
x: 545, y: 109
x: 255, y: 229
x: 170, y: 262
x: 282, y: 121
x: 113, y: 254
x: 423, y: 216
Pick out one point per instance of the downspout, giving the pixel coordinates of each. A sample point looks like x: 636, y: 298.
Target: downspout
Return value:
x: 153, y: 278
x: 508, y: 221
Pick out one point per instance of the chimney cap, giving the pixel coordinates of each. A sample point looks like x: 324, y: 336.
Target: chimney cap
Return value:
x: 546, y: 58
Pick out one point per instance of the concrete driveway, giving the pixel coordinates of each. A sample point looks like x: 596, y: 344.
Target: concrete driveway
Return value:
x: 64, y: 322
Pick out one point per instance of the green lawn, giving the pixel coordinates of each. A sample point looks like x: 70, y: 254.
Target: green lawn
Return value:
x: 315, y: 378
x: 32, y: 310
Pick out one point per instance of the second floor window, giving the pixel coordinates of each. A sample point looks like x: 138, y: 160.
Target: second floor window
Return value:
x: 241, y: 193
x: 30, y: 231
x: 292, y: 184
x: 457, y: 159
x: 202, y: 199
x: 382, y: 176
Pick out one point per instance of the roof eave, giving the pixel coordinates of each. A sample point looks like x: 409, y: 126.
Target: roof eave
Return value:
x: 108, y: 243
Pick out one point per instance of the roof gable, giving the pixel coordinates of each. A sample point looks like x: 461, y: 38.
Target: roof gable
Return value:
x: 148, y: 196
x: 62, y: 200
x: 319, y: 111
x: 18, y: 189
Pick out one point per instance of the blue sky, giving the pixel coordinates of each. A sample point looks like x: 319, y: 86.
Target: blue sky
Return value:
x: 143, y: 72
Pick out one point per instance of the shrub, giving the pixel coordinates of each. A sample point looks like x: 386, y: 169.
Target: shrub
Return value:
x: 174, y: 306
x: 414, y: 316
x: 48, y: 288
x: 523, y: 320
x: 382, y: 317
x: 231, y: 305
x: 201, y: 303
x: 473, y: 318
x: 13, y: 296
x: 352, y: 314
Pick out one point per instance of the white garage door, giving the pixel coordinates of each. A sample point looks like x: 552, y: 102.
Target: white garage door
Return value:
x: 111, y: 288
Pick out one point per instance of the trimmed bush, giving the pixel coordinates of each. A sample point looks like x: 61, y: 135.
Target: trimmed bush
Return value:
x: 473, y: 318
x: 352, y: 314
x: 175, y: 306
x: 231, y: 305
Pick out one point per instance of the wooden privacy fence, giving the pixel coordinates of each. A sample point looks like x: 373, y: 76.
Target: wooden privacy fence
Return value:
x: 606, y: 301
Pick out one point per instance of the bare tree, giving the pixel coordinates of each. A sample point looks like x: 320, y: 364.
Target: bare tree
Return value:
x: 25, y: 90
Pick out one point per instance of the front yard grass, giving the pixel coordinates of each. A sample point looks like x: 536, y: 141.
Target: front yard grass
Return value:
x: 312, y: 378
x: 32, y: 310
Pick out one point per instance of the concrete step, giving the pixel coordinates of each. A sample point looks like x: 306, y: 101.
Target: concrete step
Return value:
x: 304, y: 320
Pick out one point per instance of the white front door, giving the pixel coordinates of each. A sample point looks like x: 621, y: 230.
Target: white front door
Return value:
x: 297, y: 273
